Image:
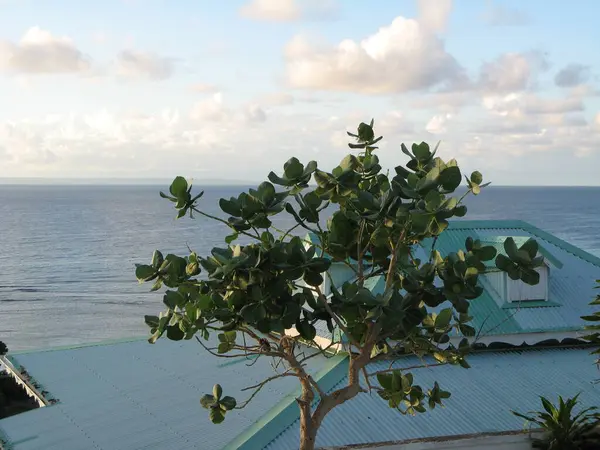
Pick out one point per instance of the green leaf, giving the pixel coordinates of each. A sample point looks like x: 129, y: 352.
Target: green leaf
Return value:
x: 306, y: 329
x: 443, y: 318
x: 157, y: 259
x: 207, y: 401
x: 511, y: 248
x: 293, y: 168
x: 530, y: 247
x: 450, y: 178
x: 228, y: 403
x: 476, y: 177
x: 503, y: 263
x: 232, y: 237
x: 223, y: 347
x: 231, y: 207
x: 179, y: 187
x: 173, y: 299
x: 421, y: 151
x: 151, y: 321
x: 174, y: 333
x: 216, y: 415
x: 144, y: 273
x: 460, y: 211
x: 217, y: 391
x: 385, y: 380
x: 349, y: 163
x: 486, y: 253
x: 313, y: 278
x: 530, y: 276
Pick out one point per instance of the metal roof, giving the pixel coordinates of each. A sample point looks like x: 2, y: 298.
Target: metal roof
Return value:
x: 482, y: 398
x: 571, y: 286
x: 133, y: 396
x: 571, y: 281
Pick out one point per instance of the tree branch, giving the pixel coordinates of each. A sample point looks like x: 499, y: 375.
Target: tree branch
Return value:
x: 336, y: 319
x: 223, y: 221
x: 242, y: 355
x: 260, y: 385
x: 420, y: 366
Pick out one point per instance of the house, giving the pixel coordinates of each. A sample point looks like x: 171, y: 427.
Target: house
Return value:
x: 130, y: 395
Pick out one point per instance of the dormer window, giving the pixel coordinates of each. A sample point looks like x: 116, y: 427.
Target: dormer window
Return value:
x: 517, y: 291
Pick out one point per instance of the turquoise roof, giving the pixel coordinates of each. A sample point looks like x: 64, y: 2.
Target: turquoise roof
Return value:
x: 482, y: 398
x: 498, y: 243
x: 571, y: 281
x: 134, y: 395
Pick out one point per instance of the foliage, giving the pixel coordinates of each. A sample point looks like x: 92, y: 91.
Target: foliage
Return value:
x: 254, y: 295
x: 594, y: 337
x: 563, y: 430
x: 3, y: 349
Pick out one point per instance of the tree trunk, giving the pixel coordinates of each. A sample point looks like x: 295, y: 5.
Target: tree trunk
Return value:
x: 308, y: 432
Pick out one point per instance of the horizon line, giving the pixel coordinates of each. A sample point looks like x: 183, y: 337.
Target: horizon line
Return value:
x: 30, y: 181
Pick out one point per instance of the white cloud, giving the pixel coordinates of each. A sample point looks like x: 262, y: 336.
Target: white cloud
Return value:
x: 519, y: 105
x: 276, y: 99
x: 437, y: 124
x: 227, y: 142
x: 401, y: 57
x: 210, y: 109
x: 512, y: 72
x: 434, y: 14
x: 140, y: 65
x: 289, y: 10
x: 40, y: 52
x: 205, y: 88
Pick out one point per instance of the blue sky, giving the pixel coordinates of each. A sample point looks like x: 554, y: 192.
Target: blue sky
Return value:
x: 230, y: 90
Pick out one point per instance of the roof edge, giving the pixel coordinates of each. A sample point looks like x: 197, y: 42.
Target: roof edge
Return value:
x: 5, y: 443
x: 526, y: 226
x: 439, y: 439
x: 285, y: 413
x: 31, y: 390
x: 580, y: 253
x: 483, y: 224
x: 76, y: 346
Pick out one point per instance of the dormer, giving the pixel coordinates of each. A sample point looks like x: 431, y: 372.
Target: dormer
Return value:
x: 515, y: 292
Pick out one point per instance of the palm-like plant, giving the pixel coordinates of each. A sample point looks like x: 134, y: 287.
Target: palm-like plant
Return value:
x: 563, y: 430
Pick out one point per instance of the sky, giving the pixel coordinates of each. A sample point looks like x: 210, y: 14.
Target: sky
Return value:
x: 229, y: 90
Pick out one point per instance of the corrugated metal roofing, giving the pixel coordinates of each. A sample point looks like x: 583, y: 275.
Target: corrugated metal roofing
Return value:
x: 571, y: 282
x: 482, y: 398
x: 134, y: 396
x: 570, y: 286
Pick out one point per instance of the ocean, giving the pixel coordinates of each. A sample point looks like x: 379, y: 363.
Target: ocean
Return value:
x: 68, y: 253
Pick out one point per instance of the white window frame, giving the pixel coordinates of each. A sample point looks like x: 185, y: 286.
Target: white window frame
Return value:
x: 524, y: 290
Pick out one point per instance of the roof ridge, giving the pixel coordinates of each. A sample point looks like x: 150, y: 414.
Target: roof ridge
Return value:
x: 104, y: 342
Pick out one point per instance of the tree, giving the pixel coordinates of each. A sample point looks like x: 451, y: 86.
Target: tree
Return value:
x: 3, y: 349
x: 252, y: 294
x: 594, y: 327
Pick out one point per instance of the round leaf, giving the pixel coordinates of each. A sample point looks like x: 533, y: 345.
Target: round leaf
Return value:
x: 216, y: 415
x: 179, y: 187
x: 207, y: 401
x: 228, y: 402
x: 217, y: 391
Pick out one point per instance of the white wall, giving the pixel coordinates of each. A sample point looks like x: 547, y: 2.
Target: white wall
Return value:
x: 521, y: 441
